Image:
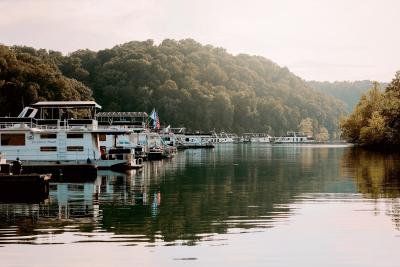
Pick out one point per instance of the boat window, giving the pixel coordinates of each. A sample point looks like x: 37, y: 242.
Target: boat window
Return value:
x: 48, y: 148
x: 74, y: 148
x: 102, y: 137
x: 74, y: 135
x: 12, y: 139
x: 48, y: 136
x: 187, y: 139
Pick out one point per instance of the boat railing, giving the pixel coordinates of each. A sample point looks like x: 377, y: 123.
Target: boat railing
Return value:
x: 37, y: 155
x: 59, y: 125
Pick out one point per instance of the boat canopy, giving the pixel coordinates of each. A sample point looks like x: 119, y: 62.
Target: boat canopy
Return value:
x: 66, y: 109
x: 66, y: 104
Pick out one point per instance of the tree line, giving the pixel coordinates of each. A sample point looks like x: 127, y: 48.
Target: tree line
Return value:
x: 376, y: 118
x: 196, y: 86
x: 28, y: 75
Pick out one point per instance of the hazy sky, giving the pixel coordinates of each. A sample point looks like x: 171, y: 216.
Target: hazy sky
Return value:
x: 315, y: 39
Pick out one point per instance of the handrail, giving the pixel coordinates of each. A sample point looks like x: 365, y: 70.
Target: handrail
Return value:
x: 32, y: 125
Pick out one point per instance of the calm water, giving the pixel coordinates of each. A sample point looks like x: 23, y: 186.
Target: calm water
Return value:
x: 235, y: 205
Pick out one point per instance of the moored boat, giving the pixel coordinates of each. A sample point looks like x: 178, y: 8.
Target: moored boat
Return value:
x: 55, y: 133
x: 294, y: 138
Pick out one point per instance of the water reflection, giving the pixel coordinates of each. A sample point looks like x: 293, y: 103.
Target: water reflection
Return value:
x: 201, y: 194
x: 377, y: 175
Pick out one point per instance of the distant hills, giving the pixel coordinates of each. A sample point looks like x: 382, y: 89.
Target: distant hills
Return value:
x: 346, y: 91
x: 197, y: 86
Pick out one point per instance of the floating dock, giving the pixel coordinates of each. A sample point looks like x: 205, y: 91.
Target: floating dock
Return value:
x: 27, y: 188
x: 180, y: 147
x: 64, y: 172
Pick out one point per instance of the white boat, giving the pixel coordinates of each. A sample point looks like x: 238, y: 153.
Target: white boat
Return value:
x: 51, y: 133
x: 147, y: 144
x: 221, y: 138
x: 191, y: 140
x: 116, y: 146
x: 194, y: 141
x: 257, y: 138
x: 294, y: 138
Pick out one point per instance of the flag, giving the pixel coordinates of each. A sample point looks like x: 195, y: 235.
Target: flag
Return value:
x: 154, y: 117
x: 157, y: 122
x: 153, y: 114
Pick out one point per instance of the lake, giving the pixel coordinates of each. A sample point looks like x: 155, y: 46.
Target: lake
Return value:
x: 234, y: 205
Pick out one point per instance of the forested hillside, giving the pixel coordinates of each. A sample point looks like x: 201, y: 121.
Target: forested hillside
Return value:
x: 349, y: 92
x: 376, y: 118
x: 28, y: 75
x: 200, y: 87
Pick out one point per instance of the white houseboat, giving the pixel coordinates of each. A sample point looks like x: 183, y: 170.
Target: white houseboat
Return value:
x: 257, y: 138
x: 53, y: 132
x: 294, y: 138
x: 147, y: 144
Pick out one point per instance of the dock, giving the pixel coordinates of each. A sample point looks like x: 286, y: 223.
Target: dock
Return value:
x: 64, y: 172
x: 27, y: 188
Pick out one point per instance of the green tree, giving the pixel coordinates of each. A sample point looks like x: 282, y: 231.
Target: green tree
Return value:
x: 306, y: 126
x: 323, y: 135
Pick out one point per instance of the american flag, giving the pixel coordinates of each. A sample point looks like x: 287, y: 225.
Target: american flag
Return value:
x: 157, y: 122
x: 155, y: 118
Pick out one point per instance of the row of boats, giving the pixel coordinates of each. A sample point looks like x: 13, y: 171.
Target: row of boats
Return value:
x: 75, y: 133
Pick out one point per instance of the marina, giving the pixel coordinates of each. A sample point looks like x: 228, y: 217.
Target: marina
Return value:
x: 68, y: 137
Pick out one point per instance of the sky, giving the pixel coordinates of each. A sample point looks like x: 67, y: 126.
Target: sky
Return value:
x: 316, y: 39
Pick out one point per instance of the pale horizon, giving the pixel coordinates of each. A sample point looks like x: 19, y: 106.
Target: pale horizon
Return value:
x: 316, y: 40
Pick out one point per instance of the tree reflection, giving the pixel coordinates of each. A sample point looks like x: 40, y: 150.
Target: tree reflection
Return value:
x: 377, y: 175
x: 201, y: 193
x: 250, y: 192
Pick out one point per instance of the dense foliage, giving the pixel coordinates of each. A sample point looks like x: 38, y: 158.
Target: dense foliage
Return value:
x: 191, y: 85
x: 28, y: 75
x: 376, y: 118
x: 200, y: 87
x: 349, y: 92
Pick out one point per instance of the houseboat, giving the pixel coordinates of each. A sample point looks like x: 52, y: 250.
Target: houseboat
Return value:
x: 220, y: 138
x: 146, y: 144
x: 294, y: 138
x: 185, y: 140
x: 257, y: 138
x: 54, y: 132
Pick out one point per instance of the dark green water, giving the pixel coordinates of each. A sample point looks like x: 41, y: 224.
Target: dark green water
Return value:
x: 235, y: 205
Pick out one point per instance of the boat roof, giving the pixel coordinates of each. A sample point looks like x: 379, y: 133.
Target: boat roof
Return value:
x: 66, y: 104
x: 119, y: 114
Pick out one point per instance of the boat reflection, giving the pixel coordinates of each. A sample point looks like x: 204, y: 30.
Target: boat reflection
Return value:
x: 203, y: 193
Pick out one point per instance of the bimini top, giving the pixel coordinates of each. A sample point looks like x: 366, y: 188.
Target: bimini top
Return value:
x: 66, y: 104
x: 122, y: 115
